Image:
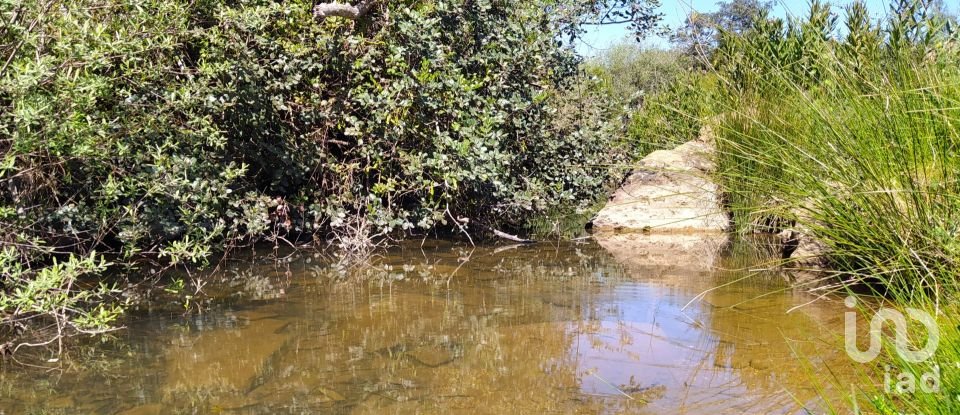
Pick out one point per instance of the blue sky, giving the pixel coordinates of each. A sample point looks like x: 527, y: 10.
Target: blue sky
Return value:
x: 599, y: 38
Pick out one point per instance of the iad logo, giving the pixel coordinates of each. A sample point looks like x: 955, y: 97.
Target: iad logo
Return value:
x: 906, y: 382
x: 900, y: 327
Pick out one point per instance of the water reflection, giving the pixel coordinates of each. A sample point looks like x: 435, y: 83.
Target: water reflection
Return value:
x: 438, y: 328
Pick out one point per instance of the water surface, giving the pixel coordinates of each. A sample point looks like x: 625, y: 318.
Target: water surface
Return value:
x: 437, y: 327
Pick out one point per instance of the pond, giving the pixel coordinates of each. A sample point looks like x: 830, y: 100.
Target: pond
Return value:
x: 632, y: 324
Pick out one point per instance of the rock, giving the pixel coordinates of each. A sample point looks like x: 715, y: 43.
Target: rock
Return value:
x: 789, y: 242
x: 802, y: 250
x: 671, y: 191
x: 805, y: 260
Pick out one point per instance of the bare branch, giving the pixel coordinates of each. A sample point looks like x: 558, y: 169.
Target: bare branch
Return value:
x: 606, y: 22
x: 514, y: 238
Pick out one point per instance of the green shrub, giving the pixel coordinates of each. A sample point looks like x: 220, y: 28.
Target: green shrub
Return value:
x: 673, y: 116
x: 166, y: 127
x: 55, y: 294
x: 178, y: 129
x: 632, y: 72
x: 657, y: 94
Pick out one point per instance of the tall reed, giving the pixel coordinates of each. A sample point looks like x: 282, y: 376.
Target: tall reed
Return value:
x: 856, y: 141
x: 863, y: 157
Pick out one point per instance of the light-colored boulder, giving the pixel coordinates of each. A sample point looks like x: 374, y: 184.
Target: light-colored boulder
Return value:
x: 671, y: 191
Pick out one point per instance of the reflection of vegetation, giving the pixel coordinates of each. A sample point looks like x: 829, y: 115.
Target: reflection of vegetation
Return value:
x: 436, y: 326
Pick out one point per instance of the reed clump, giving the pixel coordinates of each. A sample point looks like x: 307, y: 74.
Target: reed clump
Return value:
x: 854, y: 139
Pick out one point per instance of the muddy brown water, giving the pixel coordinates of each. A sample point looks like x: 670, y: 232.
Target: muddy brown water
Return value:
x: 618, y: 327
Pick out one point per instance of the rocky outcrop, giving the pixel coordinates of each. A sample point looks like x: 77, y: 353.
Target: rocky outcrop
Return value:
x: 667, y: 221
x: 671, y: 191
x: 804, y: 256
x: 794, y: 241
x: 671, y: 199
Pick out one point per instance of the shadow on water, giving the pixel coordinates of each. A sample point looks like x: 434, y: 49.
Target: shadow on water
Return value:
x: 632, y: 324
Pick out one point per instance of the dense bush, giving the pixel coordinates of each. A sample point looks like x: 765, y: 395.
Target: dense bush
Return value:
x: 157, y: 123
x: 674, y: 115
x: 177, y: 128
x: 633, y: 72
